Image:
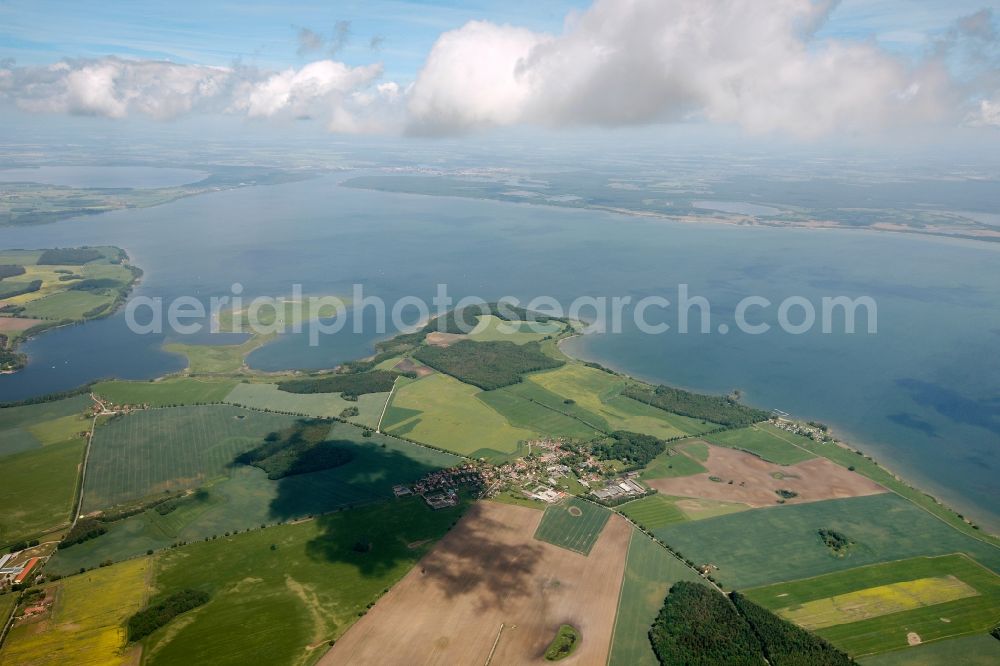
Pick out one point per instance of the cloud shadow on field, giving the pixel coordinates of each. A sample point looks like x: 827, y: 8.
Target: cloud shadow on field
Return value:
x: 476, y: 562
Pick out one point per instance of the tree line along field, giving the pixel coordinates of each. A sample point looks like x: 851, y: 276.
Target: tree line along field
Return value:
x: 331, y: 405
x: 85, y: 623
x: 872, y: 609
x: 649, y: 572
x: 884, y: 527
x: 278, y: 590
x: 599, y: 392
x: 246, y: 498
x: 149, y: 452
x: 40, y: 453
x: 573, y: 524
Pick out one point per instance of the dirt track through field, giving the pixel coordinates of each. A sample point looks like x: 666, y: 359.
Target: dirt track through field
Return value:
x: 755, y: 481
x: 490, y: 570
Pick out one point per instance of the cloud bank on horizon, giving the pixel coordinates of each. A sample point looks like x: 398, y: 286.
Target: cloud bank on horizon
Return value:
x: 757, y: 66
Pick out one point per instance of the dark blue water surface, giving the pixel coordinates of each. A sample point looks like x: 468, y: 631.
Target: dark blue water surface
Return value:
x: 923, y: 394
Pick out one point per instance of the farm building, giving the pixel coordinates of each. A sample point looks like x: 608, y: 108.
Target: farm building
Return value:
x: 26, y: 570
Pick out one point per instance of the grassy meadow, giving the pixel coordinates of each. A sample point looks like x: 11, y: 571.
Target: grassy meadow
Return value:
x: 441, y: 411
x: 764, y: 442
x: 246, y: 498
x: 278, y: 595
x: 269, y: 397
x: 37, y: 489
x: 598, y: 392
x: 165, y: 392
x: 884, y: 527
x: 978, y: 650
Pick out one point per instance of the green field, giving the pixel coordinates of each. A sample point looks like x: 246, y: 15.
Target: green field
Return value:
x: 33, y: 426
x: 598, y: 392
x: 649, y: 572
x: 37, y: 488
x: 85, y: 626
x: 279, y: 594
x: 166, y: 392
x: 492, y: 329
x: 216, y: 359
x: 158, y: 450
x: 745, y: 546
x: 441, y: 411
x: 268, y: 397
x: 658, y: 510
x: 521, y: 406
x: 247, y: 498
x: 573, y: 524
x: 653, y: 512
x: 848, y: 458
x: 282, y: 315
x: 763, y: 441
x: 863, y: 611
x: 671, y: 463
x: 981, y: 650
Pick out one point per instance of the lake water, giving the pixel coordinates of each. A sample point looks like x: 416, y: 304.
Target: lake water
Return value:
x: 103, y: 177
x: 923, y: 395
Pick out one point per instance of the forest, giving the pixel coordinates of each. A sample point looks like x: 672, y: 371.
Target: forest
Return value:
x: 632, y: 448
x: 10, y: 270
x: 350, y: 385
x: 699, y: 626
x: 784, y: 643
x: 715, y: 408
x: 152, y: 618
x: 488, y: 365
x: 69, y: 256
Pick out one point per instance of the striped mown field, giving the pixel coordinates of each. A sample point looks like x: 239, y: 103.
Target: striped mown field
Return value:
x: 157, y: 450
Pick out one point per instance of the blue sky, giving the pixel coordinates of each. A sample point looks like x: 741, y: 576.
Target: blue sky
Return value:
x: 218, y: 33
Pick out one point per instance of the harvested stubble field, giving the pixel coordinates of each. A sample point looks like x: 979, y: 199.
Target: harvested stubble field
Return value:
x: 487, y: 572
x: 755, y: 481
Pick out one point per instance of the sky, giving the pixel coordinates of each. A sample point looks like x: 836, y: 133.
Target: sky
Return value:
x: 803, y: 68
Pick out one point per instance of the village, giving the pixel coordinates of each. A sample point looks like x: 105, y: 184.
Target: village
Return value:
x: 548, y: 473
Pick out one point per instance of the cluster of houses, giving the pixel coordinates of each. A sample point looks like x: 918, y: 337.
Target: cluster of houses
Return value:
x: 439, y: 487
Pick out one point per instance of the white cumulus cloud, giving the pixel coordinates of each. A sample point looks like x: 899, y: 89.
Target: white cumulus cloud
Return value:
x: 625, y: 62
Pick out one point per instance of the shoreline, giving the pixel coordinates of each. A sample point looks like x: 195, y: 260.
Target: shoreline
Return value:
x: 709, y: 220
x: 985, y: 526
x: 117, y: 304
